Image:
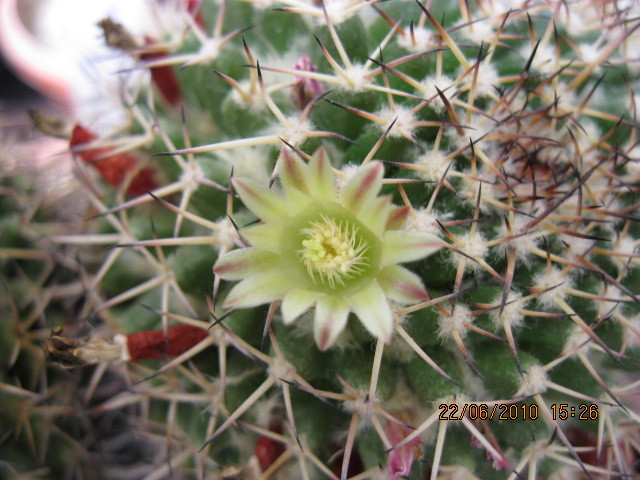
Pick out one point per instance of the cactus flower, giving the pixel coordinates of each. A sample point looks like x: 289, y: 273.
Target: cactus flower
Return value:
x: 335, y: 249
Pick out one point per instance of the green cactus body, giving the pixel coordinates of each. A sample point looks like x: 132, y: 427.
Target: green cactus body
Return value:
x: 411, y: 230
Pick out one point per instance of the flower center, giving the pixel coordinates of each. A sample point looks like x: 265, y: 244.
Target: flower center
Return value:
x: 333, y: 252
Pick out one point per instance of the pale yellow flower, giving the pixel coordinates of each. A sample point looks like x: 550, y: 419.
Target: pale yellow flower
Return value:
x: 317, y: 247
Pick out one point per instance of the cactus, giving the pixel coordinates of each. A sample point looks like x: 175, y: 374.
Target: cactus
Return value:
x: 308, y: 149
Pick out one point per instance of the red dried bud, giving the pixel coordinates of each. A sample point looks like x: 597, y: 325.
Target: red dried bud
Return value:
x: 266, y: 449
x: 113, y: 168
x: 158, y: 343
x: 164, y: 78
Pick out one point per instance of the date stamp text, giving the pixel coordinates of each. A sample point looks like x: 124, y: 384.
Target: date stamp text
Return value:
x: 514, y: 411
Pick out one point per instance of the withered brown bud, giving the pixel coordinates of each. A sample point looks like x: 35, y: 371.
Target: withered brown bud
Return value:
x: 70, y: 353
x: 50, y: 125
x: 115, y: 35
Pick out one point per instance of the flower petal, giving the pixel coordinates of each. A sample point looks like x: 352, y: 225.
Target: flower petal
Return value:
x: 241, y: 263
x: 260, y: 200
x: 376, y: 214
x: 320, y: 181
x: 293, y: 173
x: 401, y: 285
x: 400, y: 246
x: 261, y: 288
x: 293, y: 178
x: 372, y: 308
x: 363, y: 187
x: 296, y: 302
x: 398, y: 218
x: 265, y: 236
x: 331, y: 318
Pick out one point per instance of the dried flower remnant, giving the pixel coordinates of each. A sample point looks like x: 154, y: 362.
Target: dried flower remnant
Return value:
x: 163, y: 76
x: 114, y: 169
x: 124, y: 348
x: 267, y: 450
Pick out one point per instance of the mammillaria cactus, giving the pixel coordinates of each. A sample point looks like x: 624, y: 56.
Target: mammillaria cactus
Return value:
x: 308, y: 149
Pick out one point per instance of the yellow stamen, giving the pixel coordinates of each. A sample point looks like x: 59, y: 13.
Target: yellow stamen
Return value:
x: 333, y: 251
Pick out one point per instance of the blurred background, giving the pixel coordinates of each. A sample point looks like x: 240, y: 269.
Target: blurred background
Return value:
x: 54, y: 62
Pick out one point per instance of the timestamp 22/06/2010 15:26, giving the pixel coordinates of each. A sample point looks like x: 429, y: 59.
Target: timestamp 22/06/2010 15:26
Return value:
x: 504, y: 411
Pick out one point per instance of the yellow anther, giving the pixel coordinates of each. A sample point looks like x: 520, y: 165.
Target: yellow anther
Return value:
x: 333, y: 251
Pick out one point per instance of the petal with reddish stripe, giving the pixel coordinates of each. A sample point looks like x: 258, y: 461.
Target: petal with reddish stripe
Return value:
x: 400, y: 246
x: 376, y: 215
x: 401, y: 285
x: 296, y: 302
x: 363, y: 187
x: 398, y: 218
x: 261, y: 288
x: 244, y: 262
x: 265, y: 236
x: 321, y: 181
x: 293, y: 173
x: 371, y: 306
x: 260, y: 200
x: 331, y: 318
